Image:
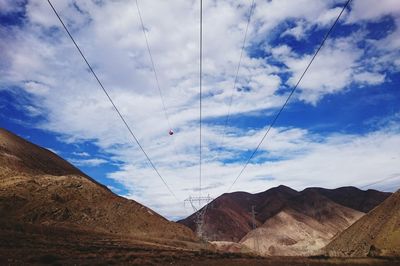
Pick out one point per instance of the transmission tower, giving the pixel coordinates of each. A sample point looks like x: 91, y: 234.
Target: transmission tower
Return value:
x: 196, y: 203
x: 253, y: 218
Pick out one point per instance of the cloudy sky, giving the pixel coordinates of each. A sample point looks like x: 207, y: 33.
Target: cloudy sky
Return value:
x: 340, y: 128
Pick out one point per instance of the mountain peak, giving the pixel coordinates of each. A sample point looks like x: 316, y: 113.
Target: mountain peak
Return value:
x: 39, y: 187
x: 20, y: 155
x: 284, y: 187
x: 229, y: 217
x: 353, y: 197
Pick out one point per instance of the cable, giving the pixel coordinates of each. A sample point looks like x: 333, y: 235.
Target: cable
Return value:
x: 111, y: 101
x: 155, y: 75
x: 200, y: 95
x: 379, y: 181
x: 152, y: 64
x: 291, y: 93
x: 237, y: 73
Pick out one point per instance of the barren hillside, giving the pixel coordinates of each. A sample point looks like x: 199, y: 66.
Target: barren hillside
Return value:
x: 302, y: 228
x: 354, y: 198
x: 375, y: 234
x: 38, y: 187
x: 228, y: 217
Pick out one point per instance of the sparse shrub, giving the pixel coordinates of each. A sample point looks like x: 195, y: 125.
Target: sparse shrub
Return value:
x: 319, y: 257
x: 48, y: 259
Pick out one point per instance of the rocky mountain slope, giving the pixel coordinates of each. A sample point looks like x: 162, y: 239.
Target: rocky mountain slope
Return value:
x: 228, y: 217
x: 375, y: 234
x: 288, y: 222
x: 38, y: 187
x: 354, y: 198
x: 303, y: 227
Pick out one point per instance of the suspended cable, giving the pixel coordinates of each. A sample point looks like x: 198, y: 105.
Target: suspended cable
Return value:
x: 111, y: 101
x: 290, y: 95
x: 380, y: 181
x: 237, y: 72
x: 200, y: 94
x: 171, y: 130
x: 153, y: 65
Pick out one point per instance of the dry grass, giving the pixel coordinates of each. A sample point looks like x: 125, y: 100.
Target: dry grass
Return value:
x: 376, y: 234
x: 27, y: 243
x: 33, y: 244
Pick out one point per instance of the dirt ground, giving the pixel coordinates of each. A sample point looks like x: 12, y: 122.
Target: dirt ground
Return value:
x: 60, y: 246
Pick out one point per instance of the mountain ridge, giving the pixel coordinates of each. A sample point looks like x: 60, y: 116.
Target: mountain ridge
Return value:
x: 228, y: 217
x: 302, y: 227
x: 39, y: 187
x: 375, y: 234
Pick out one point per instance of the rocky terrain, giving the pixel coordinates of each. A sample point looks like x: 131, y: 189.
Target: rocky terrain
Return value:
x: 37, y: 245
x: 375, y: 234
x: 228, y: 217
x: 354, y: 198
x: 302, y: 227
x: 38, y: 187
x: 289, y: 223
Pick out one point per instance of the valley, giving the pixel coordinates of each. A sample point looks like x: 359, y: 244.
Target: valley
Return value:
x: 52, y: 213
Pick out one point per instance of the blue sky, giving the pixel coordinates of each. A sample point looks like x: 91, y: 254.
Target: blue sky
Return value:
x: 340, y: 128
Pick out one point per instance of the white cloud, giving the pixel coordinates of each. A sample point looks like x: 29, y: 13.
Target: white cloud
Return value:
x: 114, y: 189
x: 372, y: 10
x: 7, y: 6
x: 387, y: 50
x: 36, y: 88
x: 54, y: 151
x: 88, y: 162
x: 269, y: 14
x: 307, y: 159
x: 81, y: 154
x: 331, y: 71
x: 369, y: 78
x: 298, y: 32
x: 33, y: 111
x: 339, y: 64
x: 327, y: 18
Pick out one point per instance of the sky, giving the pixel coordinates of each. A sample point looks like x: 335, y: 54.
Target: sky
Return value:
x: 340, y: 127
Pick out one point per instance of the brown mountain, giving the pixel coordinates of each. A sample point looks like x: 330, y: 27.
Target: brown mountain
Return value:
x: 354, y: 198
x: 375, y: 234
x: 304, y: 226
x: 228, y: 217
x: 39, y: 188
x: 21, y: 156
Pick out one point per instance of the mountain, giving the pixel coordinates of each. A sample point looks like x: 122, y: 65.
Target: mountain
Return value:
x: 40, y: 188
x: 228, y: 217
x: 302, y: 227
x: 375, y: 234
x: 354, y: 198
x: 20, y: 156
